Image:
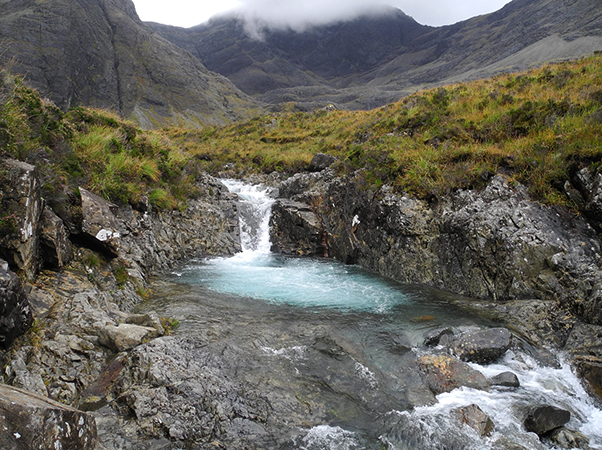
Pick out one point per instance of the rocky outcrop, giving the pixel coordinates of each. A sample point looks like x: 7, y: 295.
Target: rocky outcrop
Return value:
x: 494, y: 244
x: 20, y: 218
x: 30, y: 421
x: 15, y: 312
x: 83, y: 309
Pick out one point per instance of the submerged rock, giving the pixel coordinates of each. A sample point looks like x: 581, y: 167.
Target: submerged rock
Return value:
x: 474, y: 417
x: 445, y: 373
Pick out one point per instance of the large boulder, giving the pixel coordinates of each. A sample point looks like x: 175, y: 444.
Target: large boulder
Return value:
x: 543, y: 419
x: 99, y: 222
x: 482, y: 346
x: 15, y: 311
x: 36, y: 422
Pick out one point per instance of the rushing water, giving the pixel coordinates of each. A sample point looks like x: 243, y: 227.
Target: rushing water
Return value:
x: 262, y: 291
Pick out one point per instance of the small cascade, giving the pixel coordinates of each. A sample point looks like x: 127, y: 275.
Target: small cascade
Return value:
x: 255, y: 207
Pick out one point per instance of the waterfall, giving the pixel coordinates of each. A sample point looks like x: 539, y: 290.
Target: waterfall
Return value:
x: 255, y: 207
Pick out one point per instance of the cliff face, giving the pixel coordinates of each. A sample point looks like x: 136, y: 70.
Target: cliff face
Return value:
x: 377, y: 59
x: 99, y: 53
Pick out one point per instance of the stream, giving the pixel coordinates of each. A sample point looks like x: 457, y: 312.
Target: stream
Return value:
x: 334, y: 348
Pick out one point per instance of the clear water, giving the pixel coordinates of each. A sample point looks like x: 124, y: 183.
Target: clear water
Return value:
x: 306, y: 282
x: 264, y: 292
x: 297, y: 281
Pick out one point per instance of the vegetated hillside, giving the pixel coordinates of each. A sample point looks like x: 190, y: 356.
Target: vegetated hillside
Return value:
x: 87, y: 148
x: 98, y: 53
x: 539, y: 127
x: 379, y: 58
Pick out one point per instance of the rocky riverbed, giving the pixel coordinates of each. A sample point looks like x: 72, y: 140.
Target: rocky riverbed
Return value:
x: 532, y: 269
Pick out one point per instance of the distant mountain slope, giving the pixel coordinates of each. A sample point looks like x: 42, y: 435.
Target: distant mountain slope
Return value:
x: 376, y: 59
x: 99, y: 53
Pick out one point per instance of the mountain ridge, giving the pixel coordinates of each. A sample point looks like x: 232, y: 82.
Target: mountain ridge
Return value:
x: 274, y: 70
x: 99, y: 53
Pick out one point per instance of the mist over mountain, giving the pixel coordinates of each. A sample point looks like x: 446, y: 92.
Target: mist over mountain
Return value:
x: 99, y: 53
x: 379, y: 57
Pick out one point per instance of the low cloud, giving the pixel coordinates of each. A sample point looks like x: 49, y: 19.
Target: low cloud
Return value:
x: 300, y: 14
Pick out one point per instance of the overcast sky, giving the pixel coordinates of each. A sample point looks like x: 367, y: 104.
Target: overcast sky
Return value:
x: 298, y: 13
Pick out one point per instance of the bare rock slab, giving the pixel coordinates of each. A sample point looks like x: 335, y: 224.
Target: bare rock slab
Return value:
x: 30, y: 421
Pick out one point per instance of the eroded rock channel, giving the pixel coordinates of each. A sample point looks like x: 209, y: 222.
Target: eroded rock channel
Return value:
x: 431, y: 370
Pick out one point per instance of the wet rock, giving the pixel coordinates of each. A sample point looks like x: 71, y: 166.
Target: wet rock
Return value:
x: 98, y: 393
x: 296, y: 229
x: 125, y: 336
x: 445, y: 373
x: 505, y: 379
x: 396, y: 343
x: 56, y: 246
x: 474, y: 417
x: 321, y: 161
x: 482, y: 346
x: 564, y: 438
x: 503, y: 443
x: 99, y: 221
x: 590, y: 368
x: 21, y: 209
x: 15, y: 311
x: 543, y: 419
x: 432, y: 339
x: 35, y: 422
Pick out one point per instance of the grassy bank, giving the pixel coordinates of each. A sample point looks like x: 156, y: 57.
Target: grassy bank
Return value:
x: 92, y: 149
x: 537, y: 127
